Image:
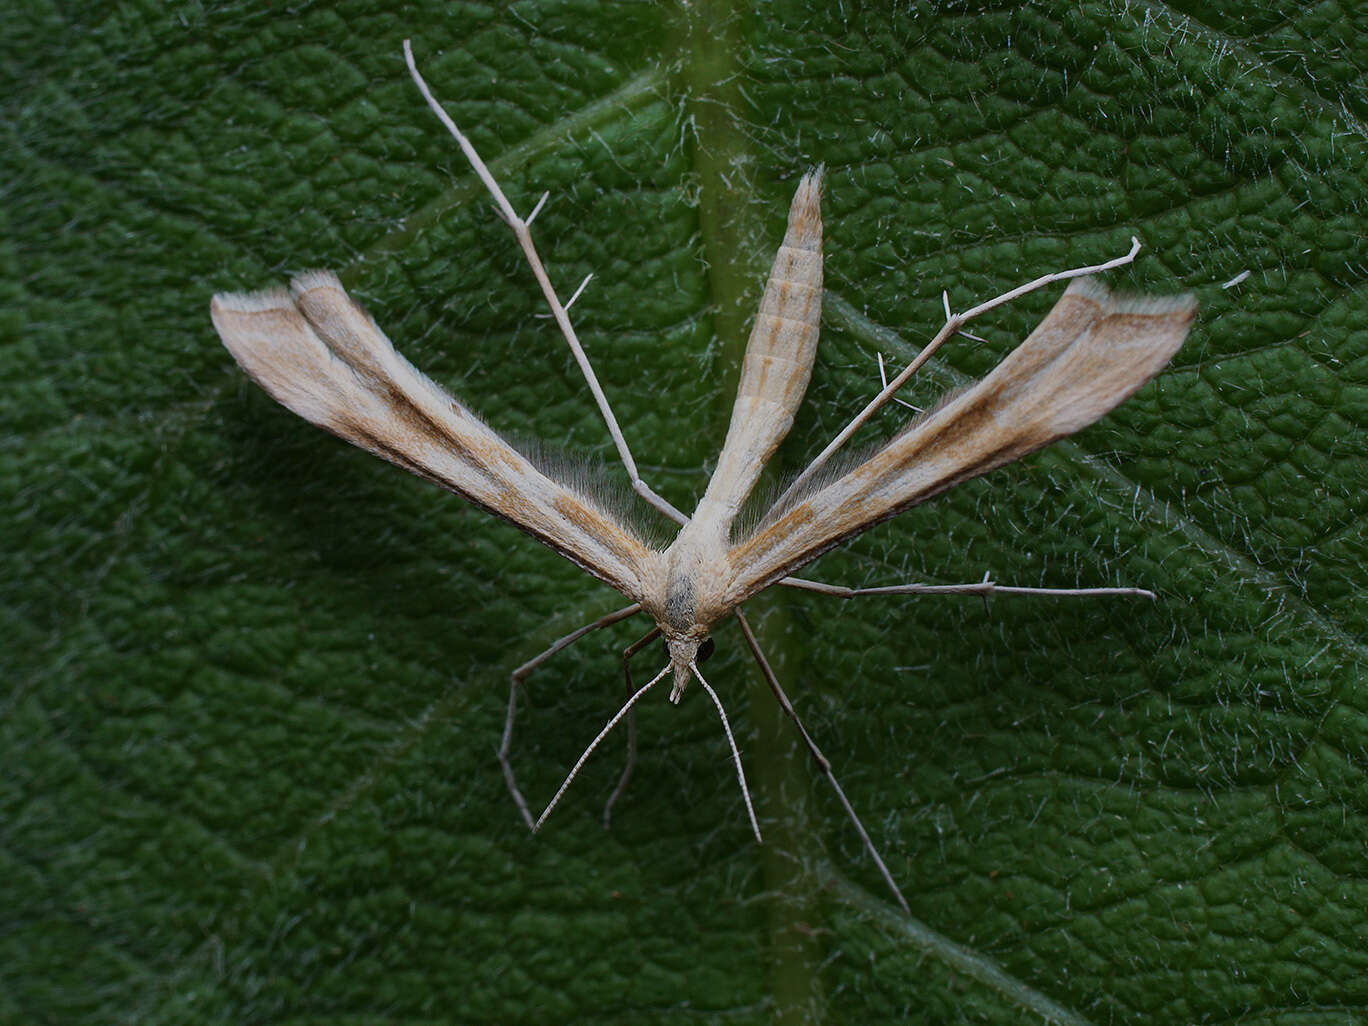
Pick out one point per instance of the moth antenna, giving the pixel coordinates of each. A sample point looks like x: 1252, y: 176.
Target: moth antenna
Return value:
x: 623, y: 780
x: 595, y: 743
x: 516, y: 682
x: 736, y: 755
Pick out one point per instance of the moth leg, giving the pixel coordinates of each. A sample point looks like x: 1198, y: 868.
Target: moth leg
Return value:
x: 593, y: 745
x: 522, y: 230
x: 985, y: 587
x: 822, y: 762
x: 883, y: 381
x: 521, y: 674
x: 627, y: 654
x: 954, y: 323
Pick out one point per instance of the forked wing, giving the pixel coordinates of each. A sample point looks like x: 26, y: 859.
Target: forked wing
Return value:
x: 321, y: 355
x: 778, y: 360
x: 1090, y: 353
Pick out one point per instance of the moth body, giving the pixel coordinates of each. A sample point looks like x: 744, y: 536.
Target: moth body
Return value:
x: 774, y: 377
x: 689, y: 600
x: 318, y: 353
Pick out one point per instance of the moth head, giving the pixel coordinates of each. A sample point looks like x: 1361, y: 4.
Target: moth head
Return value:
x: 686, y: 653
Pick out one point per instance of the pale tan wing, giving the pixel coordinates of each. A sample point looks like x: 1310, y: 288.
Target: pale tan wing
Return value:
x: 778, y: 360
x: 321, y: 355
x: 1090, y: 353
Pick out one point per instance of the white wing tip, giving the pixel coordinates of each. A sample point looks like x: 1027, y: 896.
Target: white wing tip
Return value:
x: 1183, y: 303
x: 805, y: 212
x: 319, y: 278
x: 277, y: 298
x: 1089, y: 288
x: 253, y: 302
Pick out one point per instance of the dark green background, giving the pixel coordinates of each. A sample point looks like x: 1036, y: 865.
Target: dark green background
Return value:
x: 254, y: 679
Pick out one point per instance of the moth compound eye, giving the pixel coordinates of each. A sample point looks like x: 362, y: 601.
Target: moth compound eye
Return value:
x: 705, y: 650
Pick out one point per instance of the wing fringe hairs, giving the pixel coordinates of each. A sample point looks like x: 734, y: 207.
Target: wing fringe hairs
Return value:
x: 317, y: 352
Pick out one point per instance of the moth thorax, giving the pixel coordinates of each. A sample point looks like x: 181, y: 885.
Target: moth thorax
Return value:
x: 695, y: 581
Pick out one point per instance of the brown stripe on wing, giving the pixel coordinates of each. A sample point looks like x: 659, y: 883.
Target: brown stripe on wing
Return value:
x: 1090, y: 353
x: 320, y: 354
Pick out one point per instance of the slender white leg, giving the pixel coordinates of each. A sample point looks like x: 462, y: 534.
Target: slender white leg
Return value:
x: 521, y: 673
x: 953, y: 323
x: 822, y: 762
x: 985, y: 587
x: 522, y: 230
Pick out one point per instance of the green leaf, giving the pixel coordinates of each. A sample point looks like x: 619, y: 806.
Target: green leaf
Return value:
x: 256, y: 679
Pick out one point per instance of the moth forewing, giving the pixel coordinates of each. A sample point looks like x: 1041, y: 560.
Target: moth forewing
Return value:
x: 689, y: 598
x: 270, y: 339
x: 778, y: 360
x: 1089, y: 354
x: 321, y: 355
